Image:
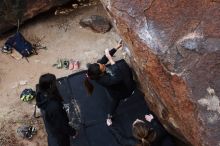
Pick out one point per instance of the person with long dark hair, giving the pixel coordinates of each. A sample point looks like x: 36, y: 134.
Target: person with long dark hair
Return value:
x: 148, y: 132
x: 117, y: 78
x: 55, y: 117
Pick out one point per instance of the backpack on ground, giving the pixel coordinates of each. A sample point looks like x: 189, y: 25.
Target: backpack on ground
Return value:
x: 19, y: 43
x: 27, y: 95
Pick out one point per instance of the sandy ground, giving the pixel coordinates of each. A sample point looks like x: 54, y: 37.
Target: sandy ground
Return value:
x: 64, y: 38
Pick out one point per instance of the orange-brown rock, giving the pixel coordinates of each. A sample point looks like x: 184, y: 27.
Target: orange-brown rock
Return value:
x: 175, y: 48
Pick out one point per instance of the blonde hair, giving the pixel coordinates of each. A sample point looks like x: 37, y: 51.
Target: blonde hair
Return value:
x: 143, y: 132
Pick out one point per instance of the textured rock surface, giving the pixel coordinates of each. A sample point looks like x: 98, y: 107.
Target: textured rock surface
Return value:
x: 175, y: 47
x: 97, y: 23
x: 12, y: 10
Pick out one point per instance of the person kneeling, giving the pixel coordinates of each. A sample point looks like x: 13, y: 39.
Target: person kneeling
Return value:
x: 54, y: 116
x: 148, y: 132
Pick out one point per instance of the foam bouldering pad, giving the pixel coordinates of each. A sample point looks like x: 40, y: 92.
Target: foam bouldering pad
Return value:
x: 91, y: 112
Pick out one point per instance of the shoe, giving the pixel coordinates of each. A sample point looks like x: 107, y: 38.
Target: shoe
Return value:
x: 71, y: 64
x: 26, y: 131
x: 6, y: 49
x: 66, y: 63
x: 32, y: 130
x: 59, y: 63
x: 76, y: 65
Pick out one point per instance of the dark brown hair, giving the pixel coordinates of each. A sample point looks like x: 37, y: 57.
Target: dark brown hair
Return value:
x: 143, y: 132
x: 88, y: 85
x: 93, y: 73
x: 47, y: 84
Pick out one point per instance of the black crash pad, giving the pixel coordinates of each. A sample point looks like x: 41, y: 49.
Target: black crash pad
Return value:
x: 90, y: 116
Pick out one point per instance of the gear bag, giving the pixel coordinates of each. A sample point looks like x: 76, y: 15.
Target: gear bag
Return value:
x: 18, y: 42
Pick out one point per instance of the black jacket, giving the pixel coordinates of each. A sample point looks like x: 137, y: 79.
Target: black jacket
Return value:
x: 55, y: 120
x: 117, y: 79
x: 162, y: 137
x: 121, y: 138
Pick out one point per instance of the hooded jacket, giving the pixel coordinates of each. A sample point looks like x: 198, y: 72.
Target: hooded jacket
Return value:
x: 55, y: 120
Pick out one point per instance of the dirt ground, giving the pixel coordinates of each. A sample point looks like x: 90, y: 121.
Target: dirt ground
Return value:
x: 64, y: 38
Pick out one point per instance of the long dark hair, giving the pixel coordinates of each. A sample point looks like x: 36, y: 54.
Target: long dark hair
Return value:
x: 47, y: 85
x: 143, y: 132
x: 93, y: 73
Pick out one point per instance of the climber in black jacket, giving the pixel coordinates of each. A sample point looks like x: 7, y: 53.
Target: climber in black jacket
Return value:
x: 117, y: 78
x: 147, y: 132
x: 55, y: 117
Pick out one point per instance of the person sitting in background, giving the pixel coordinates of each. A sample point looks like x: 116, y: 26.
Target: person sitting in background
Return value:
x: 116, y: 78
x: 54, y: 116
x: 148, y: 132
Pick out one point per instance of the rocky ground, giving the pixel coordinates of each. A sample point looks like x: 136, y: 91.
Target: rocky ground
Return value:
x: 64, y: 38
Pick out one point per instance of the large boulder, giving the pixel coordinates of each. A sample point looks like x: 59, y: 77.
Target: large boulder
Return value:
x: 175, y: 47
x: 13, y: 10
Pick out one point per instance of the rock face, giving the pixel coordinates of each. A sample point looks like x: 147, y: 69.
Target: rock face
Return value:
x: 175, y: 47
x: 12, y: 10
x: 97, y: 23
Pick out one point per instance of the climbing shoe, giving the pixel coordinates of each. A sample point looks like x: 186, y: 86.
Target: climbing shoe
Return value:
x: 25, y: 131
x: 7, y: 49
x: 66, y: 63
